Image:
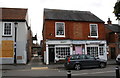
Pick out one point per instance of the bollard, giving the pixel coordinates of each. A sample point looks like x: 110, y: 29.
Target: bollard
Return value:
x: 68, y: 74
x: 117, y: 72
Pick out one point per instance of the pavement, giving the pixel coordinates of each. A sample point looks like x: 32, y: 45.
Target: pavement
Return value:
x: 111, y: 62
x: 36, y: 63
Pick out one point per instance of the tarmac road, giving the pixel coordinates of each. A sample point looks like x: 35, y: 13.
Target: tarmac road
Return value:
x: 36, y: 69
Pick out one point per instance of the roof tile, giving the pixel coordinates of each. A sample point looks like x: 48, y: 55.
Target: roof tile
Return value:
x: 13, y: 13
x: 70, y: 15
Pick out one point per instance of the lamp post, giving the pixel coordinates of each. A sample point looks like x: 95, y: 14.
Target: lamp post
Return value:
x: 15, y: 24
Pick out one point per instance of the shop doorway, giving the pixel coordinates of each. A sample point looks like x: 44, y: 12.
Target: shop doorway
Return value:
x: 113, y: 53
x: 51, y: 55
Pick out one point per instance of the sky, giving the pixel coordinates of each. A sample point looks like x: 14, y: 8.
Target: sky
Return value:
x: 101, y: 8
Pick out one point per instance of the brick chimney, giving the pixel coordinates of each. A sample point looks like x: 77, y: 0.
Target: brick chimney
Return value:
x: 109, y: 21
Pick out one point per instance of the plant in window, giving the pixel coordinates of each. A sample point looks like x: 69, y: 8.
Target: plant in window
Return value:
x: 117, y: 10
x: 60, y: 29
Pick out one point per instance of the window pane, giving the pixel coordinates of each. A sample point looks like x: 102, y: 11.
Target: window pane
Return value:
x: 93, y: 30
x: 7, y: 28
x: 101, y: 49
x: 93, y: 51
x: 62, y: 52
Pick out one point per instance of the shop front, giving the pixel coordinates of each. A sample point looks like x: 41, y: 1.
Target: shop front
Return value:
x: 57, y: 50
x: 96, y: 48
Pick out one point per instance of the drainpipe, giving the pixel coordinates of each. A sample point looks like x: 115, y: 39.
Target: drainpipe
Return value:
x: 16, y: 24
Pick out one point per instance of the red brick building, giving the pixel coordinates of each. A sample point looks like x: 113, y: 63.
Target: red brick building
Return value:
x: 67, y: 32
x: 113, y: 39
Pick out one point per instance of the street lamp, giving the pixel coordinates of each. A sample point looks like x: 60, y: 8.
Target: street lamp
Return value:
x: 15, y: 24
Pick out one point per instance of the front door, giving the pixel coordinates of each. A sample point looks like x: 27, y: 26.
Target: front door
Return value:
x: 51, y: 55
x: 113, y: 53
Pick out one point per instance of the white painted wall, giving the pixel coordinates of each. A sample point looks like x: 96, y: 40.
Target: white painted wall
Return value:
x: 0, y: 41
x: 7, y: 60
x: 22, y: 42
x: 119, y: 22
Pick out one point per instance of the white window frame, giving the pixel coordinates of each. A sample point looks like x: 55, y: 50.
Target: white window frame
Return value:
x: 4, y: 28
x: 61, y: 47
x: 96, y: 29
x: 101, y: 50
x: 94, y: 47
x: 56, y: 30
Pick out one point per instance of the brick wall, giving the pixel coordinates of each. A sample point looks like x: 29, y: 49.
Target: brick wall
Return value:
x: 73, y: 30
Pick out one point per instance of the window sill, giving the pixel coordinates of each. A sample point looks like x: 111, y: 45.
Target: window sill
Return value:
x: 93, y: 36
x: 59, y: 36
x: 6, y: 36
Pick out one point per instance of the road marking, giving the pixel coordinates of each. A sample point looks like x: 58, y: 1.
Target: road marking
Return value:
x: 93, y: 73
x: 39, y: 68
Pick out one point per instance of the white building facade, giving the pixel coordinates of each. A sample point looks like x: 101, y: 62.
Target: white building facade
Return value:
x: 13, y: 40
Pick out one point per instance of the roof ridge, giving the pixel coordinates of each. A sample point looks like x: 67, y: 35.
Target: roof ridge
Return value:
x: 65, y: 10
x: 13, y: 8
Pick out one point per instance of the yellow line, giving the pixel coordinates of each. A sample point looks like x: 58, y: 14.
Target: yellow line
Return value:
x: 6, y: 57
x: 39, y: 68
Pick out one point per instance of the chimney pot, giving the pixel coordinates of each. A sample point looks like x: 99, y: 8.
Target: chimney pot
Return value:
x: 109, y: 21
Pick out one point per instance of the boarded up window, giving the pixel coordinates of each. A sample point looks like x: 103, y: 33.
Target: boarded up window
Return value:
x: 7, y: 48
x: 0, y: 49
x: 77, y: 30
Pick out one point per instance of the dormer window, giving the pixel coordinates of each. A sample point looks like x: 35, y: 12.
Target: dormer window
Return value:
x: 60, y: 29
x: 7, y: 29
x: 93, y: 30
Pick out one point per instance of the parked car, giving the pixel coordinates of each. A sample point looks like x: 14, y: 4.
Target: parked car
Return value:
x: 80, y: 61
x: 118, y: 59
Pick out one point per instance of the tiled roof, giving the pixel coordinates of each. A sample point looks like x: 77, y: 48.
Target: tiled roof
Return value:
x: 13, y: 13
x: 113, y: 27
x: 70, y: 15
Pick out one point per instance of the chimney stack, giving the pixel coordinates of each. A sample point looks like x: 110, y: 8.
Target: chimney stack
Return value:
x: 109, y: 21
